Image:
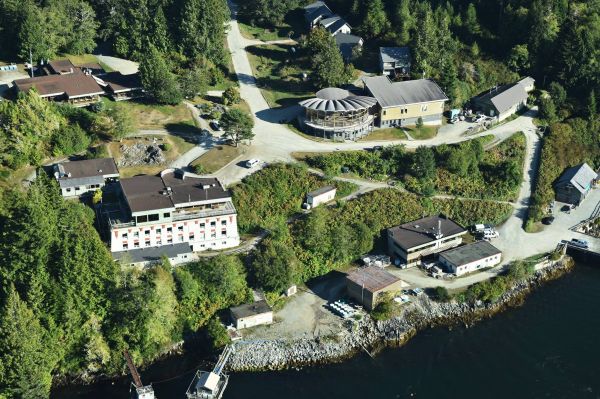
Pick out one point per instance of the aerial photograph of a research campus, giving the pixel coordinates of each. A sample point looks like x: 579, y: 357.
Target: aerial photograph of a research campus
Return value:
x: 299, y: 199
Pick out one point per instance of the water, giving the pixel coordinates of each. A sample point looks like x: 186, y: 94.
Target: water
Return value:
x: 548, y: 348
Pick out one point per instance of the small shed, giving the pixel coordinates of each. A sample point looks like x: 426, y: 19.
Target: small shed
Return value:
x: 320, y: 196
x: 471, y: 257
x: 251, y: 314
x: 367, y: 284
x: 575, y: 183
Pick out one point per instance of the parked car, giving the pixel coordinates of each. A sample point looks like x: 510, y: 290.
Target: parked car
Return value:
x: 205, y: 116
x: 215, y: 125
x: 579, y: 243
x: 252, y: 163
x: 548, y: 220
x: 377, y: 148
x: 417, y: 291
x: 567, y: 208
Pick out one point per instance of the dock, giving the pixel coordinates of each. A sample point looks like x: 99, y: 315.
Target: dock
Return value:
x: 210, y: 384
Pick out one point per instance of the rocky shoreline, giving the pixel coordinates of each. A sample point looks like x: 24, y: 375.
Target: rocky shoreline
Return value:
x: 371, y: 336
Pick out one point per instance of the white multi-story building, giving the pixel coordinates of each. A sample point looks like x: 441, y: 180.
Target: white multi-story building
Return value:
x: 169, y: 211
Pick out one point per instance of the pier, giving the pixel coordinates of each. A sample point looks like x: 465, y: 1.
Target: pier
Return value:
x: 210, y: 385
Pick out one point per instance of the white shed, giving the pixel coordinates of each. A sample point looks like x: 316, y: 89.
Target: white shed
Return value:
x: 320, y: 196
x: 471, y: 257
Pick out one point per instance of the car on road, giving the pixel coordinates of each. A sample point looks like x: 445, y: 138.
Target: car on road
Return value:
x: 252, y: 163
x: 548, y: 220
x: 214, y: 125
x: 378, y: 148
x: 579, y: 243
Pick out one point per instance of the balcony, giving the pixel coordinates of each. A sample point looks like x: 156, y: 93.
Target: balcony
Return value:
x: 227, y: 209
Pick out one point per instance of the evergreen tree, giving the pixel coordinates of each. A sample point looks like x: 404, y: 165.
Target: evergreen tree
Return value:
x: 82, y: 21
x: 470, y: 21
x: 375, y: 22
x: 237, y: 125
x: 157, y: 79
x: 423, y: 166
x: 404, y: 21
x: 275, y: 265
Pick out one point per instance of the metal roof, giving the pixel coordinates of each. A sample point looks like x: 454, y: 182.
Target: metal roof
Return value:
x: 423, y: 231
x: 321, y: 191
x: 250, y: 309
x: 87, y: 168
x: 395, y: 94
x: 80, y: 181
x: 395, y: 54
x: 346, y: 43
x: 372, y: 278
x: 75, y: 84
x: 514, y: 94
x: 208, y: 382
x: 470, y: 253
x: 333, y: 24
x: 580, y: 176
x: 152, y: 254
x: 333, y: 99
x: 325, y: 22
x: 315, y: 10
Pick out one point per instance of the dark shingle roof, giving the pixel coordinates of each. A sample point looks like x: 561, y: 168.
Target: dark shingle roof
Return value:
x: 579, y: 176
x: 146, y: 193
x: 117, y: 82
x: 346, y: 43
x: 152, y: 254
x: 61, y: 66
x: 470, y: 253
x: 87, y: 168
x: 395, y: 94
x: 75, y: 84
x: 395, y: 54
x: 250, y: 309
x: 315, y: 10
x: 423, y: 231
x: 372, y: 278
x: 321, y: 190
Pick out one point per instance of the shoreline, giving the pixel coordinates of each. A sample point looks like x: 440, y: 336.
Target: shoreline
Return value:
x: 373, y: 336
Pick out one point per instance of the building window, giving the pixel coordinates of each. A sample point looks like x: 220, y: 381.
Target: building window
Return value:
x: 191, y: 236
x: 181, y: 239
x: 136, y: 244
x: 424, y: 108
x: 213, y: 235
x: 158, y: 231
x: 147, y: 243
x: 124, y: 235
x: 213, y: 223
x: 153, y: 217
x: 142, y: 219
x: 169, y: 229
x: 179, y: 228
x: 147, y: 232
x: 169, y: 241
x: 167, y: 214
x: 224, y: 242
x: 68, y: 190
x: 77, y: 188
x: 223, y: 222
x: 202, y: 225
x: 159, y: 242
x: 136, y: 234
x: 223, y: 232
x: 384, y: 112
x: 125, y: 246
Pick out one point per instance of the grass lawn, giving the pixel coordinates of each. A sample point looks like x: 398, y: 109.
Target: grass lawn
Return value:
x: 217, y: 157
x: 421, y: 133
x: 153, y: 116
x: 264, y: 34
x: 391, y: 133
x: 178, y: 146
x: 278, y: 74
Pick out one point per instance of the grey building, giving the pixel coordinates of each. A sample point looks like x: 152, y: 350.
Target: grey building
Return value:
x: 349, y: 45
x: 412, y: 241
x: 251, y: 314
x: 574, y: 184
x: 315, y: 12
x: 504, y: 101
x: 176, y: 254
x: 335, y: 25
x: 394, y: 61
x: 471, y: 257
x: 76, y: 178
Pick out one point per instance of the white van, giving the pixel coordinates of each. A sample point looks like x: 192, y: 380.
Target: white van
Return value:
x: 489, y: 234
x: 252, y: 163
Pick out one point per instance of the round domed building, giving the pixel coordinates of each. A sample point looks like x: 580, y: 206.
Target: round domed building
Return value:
x: 337, y: 114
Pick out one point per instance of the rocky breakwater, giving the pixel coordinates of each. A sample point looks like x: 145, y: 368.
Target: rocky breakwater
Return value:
x: 369, y: 335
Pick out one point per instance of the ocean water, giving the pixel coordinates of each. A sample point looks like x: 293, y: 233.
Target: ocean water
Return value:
x: 547, y: 348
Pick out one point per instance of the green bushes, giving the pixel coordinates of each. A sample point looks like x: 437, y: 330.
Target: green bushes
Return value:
x: 441, y: 294
x: 492, y: 290
x: 217, y: 334
x: 385, y: 308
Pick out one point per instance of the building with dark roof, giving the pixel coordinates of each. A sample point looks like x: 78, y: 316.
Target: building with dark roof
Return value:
x: 403, y: 103
x: 122, y: 87
x: 60, y: 67
x: 251, y: 314
x: 575, y: 183
x: 170, y: 208
x: 412, y: 241
x: 503, y: 101
x: 143, y: 257
x: 76, y: 178
x: 335, y: 25
x: 367, y: 284
x: 349, y: 45
x: 337, y: 114
x: 315, y: 12
x: 394, y: 61
x: 471, y: 257
x: 77, y: 88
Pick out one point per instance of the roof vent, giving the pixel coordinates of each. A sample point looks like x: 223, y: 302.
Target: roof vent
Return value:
x: 99, y: 170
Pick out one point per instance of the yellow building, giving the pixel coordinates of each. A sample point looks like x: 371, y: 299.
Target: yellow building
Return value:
x: 403, y: 103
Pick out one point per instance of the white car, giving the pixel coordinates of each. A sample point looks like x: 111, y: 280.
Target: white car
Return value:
x: 252, y: 163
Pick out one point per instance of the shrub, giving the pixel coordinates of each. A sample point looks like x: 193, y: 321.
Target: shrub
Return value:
x: 442, y: 294
x: 420, y: 122
x: 199, y: 169
x: 166, y: 147
x: 217, y: 333
x: 384, y: 310
x: 231, y: 96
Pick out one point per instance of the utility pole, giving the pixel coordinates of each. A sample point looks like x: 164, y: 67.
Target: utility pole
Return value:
x: 31, y: 62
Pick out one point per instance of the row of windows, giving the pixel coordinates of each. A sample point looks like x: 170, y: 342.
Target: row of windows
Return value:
x: 88, y: 187
x: 170, y: 229
x: 170, y: 240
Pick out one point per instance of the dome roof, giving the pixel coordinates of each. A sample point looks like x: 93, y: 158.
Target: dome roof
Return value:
x: 334, y: 99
